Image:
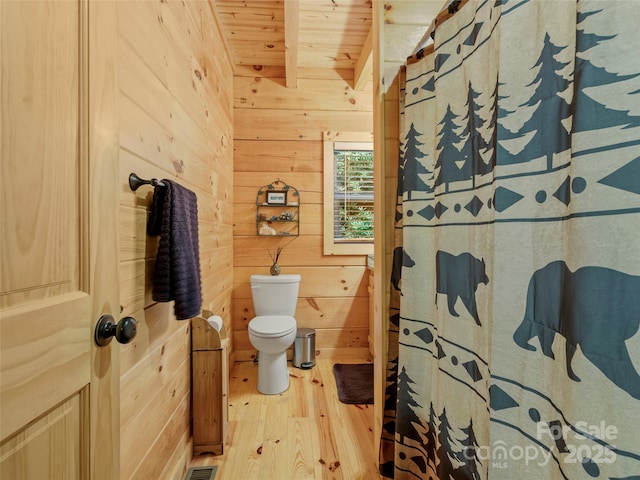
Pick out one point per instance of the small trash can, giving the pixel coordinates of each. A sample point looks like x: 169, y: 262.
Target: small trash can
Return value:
x: 304, y: 348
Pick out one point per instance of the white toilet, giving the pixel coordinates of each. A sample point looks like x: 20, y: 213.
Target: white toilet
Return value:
x: 273, y: 329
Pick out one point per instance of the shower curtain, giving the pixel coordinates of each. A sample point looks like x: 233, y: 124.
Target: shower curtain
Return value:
x: 514, y: 348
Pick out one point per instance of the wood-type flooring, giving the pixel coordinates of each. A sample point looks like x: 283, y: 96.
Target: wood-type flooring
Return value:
x: 303, y: 433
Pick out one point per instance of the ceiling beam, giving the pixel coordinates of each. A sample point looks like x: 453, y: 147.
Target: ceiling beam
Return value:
x: 363, y: 70
x: 291, y: 17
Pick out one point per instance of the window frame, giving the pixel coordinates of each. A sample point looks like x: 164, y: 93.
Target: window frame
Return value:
x: 331, y: 246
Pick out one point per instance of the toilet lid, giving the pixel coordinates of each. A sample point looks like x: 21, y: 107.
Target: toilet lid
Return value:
x: 272, y: 325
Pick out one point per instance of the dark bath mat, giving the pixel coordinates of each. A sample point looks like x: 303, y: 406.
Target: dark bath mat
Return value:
x: 354, y: 382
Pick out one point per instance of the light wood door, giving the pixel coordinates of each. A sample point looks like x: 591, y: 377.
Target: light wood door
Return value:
x: 58, y: 240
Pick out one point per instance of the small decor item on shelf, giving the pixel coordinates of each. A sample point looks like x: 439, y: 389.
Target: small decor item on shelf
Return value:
x: 277, y: 197
x: 267, y: 230
x: 288, y: 215
x: 275, y: 268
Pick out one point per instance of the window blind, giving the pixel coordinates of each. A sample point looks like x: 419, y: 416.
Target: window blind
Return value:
x: 353, y: 194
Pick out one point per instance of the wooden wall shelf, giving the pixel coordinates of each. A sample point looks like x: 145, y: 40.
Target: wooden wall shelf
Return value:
x: 278, y: 210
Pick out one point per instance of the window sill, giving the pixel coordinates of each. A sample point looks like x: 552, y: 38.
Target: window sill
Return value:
x: 348, y: 248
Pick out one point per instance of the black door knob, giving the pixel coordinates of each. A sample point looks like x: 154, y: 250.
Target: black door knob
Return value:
x: 106, y: 328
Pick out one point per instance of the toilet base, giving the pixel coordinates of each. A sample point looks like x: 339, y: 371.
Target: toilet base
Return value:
x: 273, y: 374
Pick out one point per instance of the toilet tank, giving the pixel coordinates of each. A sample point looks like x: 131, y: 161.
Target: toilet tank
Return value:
x: 275, y: 295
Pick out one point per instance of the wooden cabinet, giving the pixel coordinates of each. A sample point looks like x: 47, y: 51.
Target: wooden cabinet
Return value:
x: 209, y: 386
x: 278, y: 210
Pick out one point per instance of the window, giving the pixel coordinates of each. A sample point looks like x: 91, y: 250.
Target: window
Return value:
x: 348, y: 193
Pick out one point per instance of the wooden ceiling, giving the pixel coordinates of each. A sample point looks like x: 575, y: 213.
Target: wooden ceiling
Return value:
x: 320, y: 38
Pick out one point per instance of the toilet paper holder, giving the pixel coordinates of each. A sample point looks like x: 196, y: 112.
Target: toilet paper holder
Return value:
x: 210, y: 385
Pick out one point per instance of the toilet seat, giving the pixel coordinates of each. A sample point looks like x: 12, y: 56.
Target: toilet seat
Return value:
x: 267, y: 326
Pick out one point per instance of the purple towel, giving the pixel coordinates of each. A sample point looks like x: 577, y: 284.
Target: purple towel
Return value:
x: 174, y: 216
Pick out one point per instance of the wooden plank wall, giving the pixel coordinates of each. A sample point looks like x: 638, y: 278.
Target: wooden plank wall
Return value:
x: 176, y: 121
x: 278, y: 135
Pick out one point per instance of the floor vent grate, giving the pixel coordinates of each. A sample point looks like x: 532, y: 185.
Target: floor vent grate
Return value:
x: 201, y: 473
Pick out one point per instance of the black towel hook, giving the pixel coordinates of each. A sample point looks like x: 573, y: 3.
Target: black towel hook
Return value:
x: 135, y: 181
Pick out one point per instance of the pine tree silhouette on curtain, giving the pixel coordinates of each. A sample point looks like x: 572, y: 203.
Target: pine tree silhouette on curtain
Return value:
x: 474, y: 142
x: 469, y: 457
x: 467, y: 155
x: 412, y: 168
x: 499, y: 112
x: 590, y: 114
x: 498, y: 131
x: 390, y: 393
x: 431, y: 436
x: 445, y: 468
x: 550, y: 135
x: 448, y: 154
x: 406, y: 416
